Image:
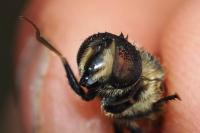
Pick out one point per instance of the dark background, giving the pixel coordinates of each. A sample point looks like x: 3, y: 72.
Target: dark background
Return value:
x: 9, y: 118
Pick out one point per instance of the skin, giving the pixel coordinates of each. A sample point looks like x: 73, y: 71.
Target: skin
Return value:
x: 169, y: 30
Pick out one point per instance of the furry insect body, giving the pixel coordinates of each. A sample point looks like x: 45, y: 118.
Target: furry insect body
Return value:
x: 128, y: 80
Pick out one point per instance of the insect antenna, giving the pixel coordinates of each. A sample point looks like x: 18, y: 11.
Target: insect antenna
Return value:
x: 70, y: 75
x: 40, y: 38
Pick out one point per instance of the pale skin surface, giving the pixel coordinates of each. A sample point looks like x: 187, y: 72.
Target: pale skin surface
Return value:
x: 170, y: 30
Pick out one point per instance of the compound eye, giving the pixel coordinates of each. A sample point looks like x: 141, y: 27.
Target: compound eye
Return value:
x: 90, y: 76
x: 127, y: 68
x: 96, y: 67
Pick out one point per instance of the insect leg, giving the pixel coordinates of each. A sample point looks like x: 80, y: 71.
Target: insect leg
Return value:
x: 168, y: 98
x: 116, y: 108
x: 165, y: 99
x: 117, y: 128
x: 70, y: 75
x: 134, y: 128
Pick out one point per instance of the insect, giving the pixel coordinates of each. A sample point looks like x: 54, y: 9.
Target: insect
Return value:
x: 128, y: 81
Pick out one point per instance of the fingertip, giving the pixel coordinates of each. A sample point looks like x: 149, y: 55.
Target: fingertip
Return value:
x: 180, y: 52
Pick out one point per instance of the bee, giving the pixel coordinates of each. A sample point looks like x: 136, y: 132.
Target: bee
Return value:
x: 128, y: 81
